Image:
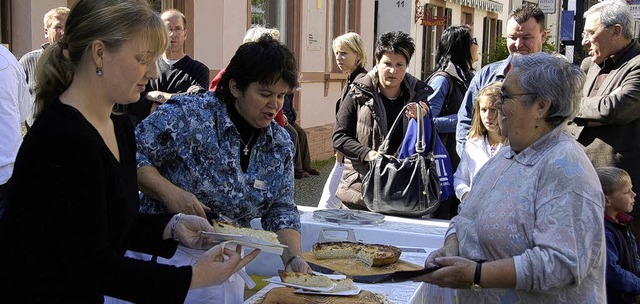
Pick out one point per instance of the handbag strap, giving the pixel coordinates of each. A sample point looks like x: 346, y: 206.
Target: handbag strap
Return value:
x: 420, y: 143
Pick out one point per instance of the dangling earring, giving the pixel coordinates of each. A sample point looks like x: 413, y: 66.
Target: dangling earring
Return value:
x: 99, y: 72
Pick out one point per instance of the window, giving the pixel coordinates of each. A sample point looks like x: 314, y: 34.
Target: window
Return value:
x: 271, y: 14
x: 5, y: 22
x: 342, y: 19
x: 431, y: 38
x: 467, y: 19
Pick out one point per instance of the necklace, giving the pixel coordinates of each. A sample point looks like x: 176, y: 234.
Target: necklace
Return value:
x: 245, y: 150
x: 492, y: 150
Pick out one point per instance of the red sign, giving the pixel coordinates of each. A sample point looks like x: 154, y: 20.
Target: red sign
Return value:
x: 434, y: 22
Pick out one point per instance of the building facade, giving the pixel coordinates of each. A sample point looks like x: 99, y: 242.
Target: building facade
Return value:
x: 216, y: 28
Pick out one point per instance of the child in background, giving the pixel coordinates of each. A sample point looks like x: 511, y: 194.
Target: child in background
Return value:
x: 623, y: 274
x: 484, y: 140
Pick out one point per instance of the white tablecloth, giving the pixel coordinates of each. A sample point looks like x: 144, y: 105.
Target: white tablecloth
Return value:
x: 403, y: 232
x: 397, y: 231
x: 403, y: 292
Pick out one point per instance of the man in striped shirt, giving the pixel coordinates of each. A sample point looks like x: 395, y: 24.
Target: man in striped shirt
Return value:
x: 53, y: 29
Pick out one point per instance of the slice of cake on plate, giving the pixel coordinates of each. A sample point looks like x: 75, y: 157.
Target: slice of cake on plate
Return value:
x: 263, y: 235
x: 313, y: 280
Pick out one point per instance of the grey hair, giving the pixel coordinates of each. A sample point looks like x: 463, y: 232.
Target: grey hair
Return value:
x: 553, y: 78
x: 614, y: 12
x: 256, y: 31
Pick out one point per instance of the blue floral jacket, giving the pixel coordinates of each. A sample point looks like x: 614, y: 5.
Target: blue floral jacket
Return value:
x: 193, y: 143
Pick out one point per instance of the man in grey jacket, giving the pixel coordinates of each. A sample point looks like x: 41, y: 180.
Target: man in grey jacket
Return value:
x: 608, y: 123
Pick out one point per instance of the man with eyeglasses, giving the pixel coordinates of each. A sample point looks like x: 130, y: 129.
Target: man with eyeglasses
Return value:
x: 608, y: 123
x: 525, y: 35
x: 179, y: 73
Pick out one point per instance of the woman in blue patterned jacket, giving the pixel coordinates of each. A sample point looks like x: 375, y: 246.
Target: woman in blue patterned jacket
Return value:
x: 221, y: 152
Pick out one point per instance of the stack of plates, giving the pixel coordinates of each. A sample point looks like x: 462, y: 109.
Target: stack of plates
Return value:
x: 247, y: 241
x: 349, y: 217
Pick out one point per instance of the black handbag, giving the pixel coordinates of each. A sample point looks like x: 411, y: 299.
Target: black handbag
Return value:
x: 404, y: 187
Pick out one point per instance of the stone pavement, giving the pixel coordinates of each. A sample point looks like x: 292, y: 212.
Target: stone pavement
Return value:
x: 309, y: 189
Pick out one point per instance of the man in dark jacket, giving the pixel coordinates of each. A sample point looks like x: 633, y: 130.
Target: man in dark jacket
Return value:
x: 608, y: 123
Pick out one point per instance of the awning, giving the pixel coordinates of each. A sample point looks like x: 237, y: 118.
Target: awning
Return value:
x: 487, y: 5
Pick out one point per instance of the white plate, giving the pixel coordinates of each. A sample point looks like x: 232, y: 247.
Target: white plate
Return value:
x: 276, y: 280
x: 350, y: 292
x: 237, y: 237
x: 246, y: 241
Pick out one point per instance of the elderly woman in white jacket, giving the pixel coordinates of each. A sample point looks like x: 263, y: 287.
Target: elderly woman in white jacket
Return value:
x: 483, y: 142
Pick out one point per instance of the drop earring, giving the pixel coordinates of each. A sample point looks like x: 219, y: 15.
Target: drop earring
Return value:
x: 99, y: 72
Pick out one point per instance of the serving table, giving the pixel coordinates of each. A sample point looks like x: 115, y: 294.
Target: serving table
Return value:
x: 416, y: 237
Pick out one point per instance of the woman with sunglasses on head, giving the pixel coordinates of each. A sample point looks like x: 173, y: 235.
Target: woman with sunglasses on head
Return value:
x: 72, y: 206
x: 453, y: 72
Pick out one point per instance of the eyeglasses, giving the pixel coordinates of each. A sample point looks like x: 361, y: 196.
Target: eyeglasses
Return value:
x: 502, y: 97
x: 587, y: 34
x: 175, y: 30
x: 474, y: 41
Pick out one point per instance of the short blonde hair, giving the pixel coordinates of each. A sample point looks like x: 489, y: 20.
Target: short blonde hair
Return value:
x: 53, y: 13
x: 352, y: 41
x: 113, y: 22
x: 178, y: 13
x: 611, y: 178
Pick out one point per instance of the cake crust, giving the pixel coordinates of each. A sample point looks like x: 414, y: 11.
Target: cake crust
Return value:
x: 313, y: 280
x: 304, y: 279
x: 370, y: 254
x: 224, y: 227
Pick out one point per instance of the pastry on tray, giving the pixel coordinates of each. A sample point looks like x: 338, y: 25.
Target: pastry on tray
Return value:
x: 370, y: 254
x: 227, y: 228
x: 313, y: 280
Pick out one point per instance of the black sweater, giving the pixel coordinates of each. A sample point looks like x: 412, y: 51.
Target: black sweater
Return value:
x: 72, y: 213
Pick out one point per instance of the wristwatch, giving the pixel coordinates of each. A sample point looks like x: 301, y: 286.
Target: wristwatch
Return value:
x: 476, y: 278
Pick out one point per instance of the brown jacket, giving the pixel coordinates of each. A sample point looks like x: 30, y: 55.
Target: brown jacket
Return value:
x: 361, y: 125
x: 617, y: 107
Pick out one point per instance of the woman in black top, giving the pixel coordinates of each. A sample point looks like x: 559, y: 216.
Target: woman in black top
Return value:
x: 351, y: 57
x: 73, y: 200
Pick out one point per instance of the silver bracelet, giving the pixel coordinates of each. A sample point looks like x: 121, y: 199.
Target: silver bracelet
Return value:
x: 174, y: 224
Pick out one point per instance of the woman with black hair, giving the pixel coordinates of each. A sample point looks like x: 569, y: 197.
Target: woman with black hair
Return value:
x: 222, y: 152
x: 453, y: 72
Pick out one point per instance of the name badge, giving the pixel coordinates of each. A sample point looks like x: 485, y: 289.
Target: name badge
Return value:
x: 260, y: 185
